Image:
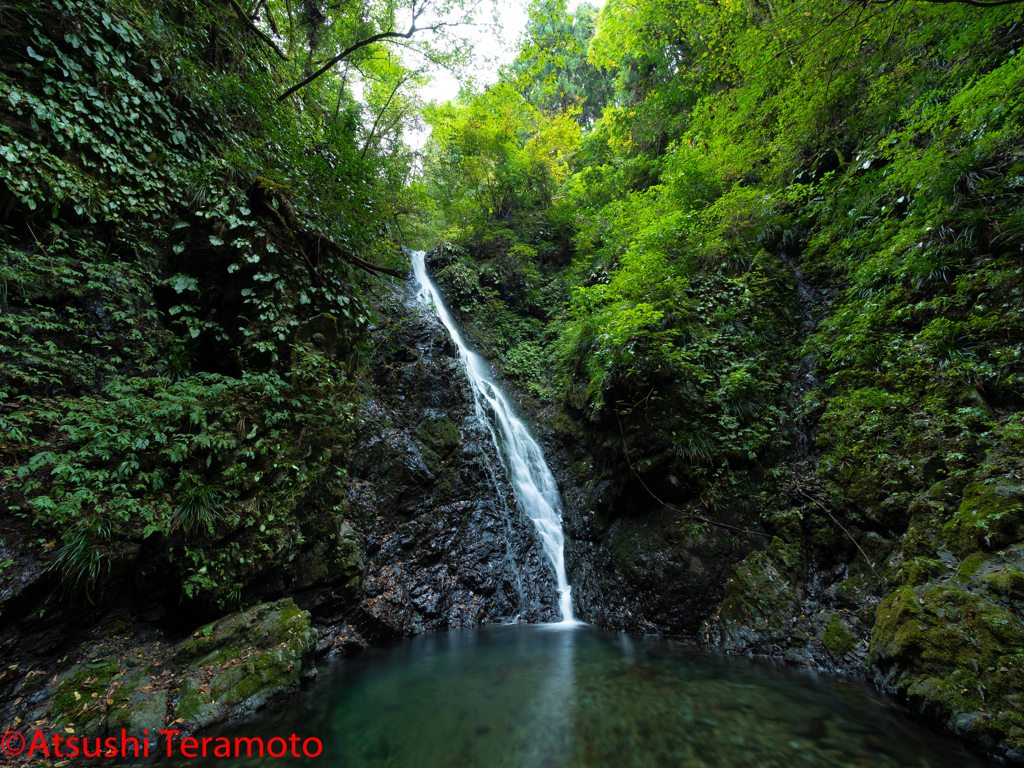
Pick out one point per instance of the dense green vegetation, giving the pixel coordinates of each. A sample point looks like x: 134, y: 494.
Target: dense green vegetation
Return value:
x: 790, y: 221
x: 757, y: 267
x: 742, y: 146
x: 185, y: 250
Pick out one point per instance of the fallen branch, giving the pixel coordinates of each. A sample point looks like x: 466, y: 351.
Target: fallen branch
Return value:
x: 669, y: 506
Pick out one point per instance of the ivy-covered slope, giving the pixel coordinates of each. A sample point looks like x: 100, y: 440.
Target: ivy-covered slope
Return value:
x: 179, y: 314
x: 777, y: 288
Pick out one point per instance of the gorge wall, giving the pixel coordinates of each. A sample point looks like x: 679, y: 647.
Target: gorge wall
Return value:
x: 779, y: 393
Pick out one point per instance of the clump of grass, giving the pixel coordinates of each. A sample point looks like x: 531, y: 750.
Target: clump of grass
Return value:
x: 84, y: 559
x: 199, y: 503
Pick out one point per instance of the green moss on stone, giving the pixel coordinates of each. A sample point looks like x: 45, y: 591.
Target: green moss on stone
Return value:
x: 349, y: 552
x: 756, y: 591
x: 954, y: 652
x: 971, y: 564
x: 851, y: 589
x: 84, y: 681
x: 640, y: 540
x: 989, y: 518
x: 788, y: 557
x: 919, y: 570
x: 243, y: 661
x: 1008, y: 583
x: 838, y: 639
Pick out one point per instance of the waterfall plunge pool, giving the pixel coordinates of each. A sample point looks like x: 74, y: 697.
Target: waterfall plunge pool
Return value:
x: 552, y: 696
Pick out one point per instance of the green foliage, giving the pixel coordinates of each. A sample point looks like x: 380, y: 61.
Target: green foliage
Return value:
x: 529, y: 363
x: 552, y: 70
x: 493, y: 157
x: 84, y: 560
x: 154, y: 282
x: 199, y: 503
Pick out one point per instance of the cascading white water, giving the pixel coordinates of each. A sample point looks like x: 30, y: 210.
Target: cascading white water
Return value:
x: 535, y: 488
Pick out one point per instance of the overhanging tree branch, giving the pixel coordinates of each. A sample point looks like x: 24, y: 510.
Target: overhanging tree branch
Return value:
x: 413, y: 29
x: 678, y: 511
x: 376, y: 123
x: 259, y: 33
x: 291, y: 27
x: 813, y: 500
x: 270, y: 17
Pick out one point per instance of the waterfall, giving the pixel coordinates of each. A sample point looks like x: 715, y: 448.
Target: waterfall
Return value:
x: 534, y: 486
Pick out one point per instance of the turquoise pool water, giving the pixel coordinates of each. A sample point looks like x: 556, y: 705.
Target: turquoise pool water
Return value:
x: 536, y: 695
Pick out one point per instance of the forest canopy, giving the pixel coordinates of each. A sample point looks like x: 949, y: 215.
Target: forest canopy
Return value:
x: 731, y: 156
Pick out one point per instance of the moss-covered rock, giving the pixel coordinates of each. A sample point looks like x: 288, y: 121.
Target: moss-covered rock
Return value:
x: 990, y: 517
x: 957, y: 656
x: 852, y: 591
x: 138, y: 704
x: 918, y: 570
x: 788, y: 557
x: 1007, y: 583
x: 228, y: 668
x: 970, y: 565
x: 238, y: 664
x: 757, y: 592
x: 350, y: 553
x: 838, y: 639
x: 80, y: 696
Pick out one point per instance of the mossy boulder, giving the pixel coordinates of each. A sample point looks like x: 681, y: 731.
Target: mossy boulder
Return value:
x: 1007, y: 583
x: 956, y: 656
x: 138, y: 704
x: 350, y: 554
x: 917, y: 570
x: 80, y: 696
x: 226, y: 669
x: 239, y: 663
x: 788, y: 557
x: 838, y: 638
x: 757, y: 593
x: 990, y: 517
x: 971, y: 565
x: 997, y: 575
x: 852, y: 591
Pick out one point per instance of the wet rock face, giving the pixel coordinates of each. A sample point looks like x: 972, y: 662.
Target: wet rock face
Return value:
x: 444, y: 543
x: 634, y: 564
x: 644, y: 574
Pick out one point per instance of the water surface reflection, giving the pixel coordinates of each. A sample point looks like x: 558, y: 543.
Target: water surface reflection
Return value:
x: 541, y: 695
